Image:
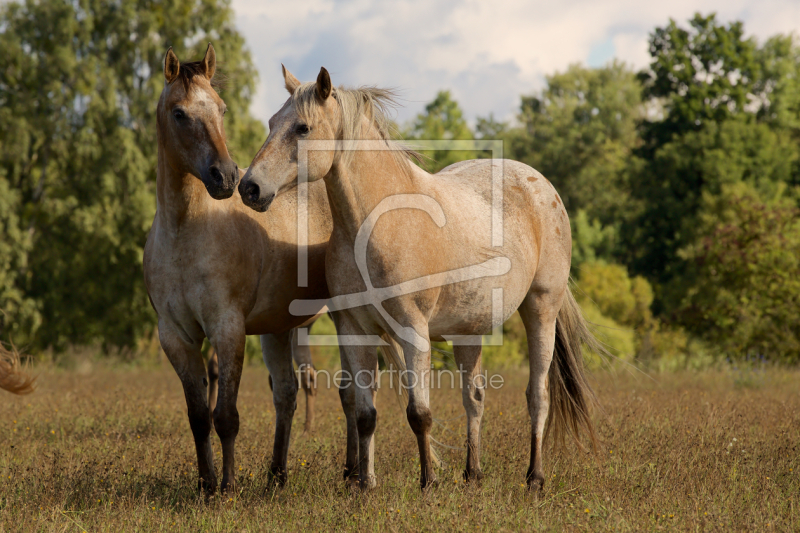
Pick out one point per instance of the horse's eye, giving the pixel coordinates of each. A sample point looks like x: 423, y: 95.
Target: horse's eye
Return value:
x: 178, y: 114
x: 302, y: 129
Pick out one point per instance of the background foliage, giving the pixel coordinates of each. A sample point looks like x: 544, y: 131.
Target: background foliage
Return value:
x: 682, y: 186
x: 681, y: 180
x: 79, y: 82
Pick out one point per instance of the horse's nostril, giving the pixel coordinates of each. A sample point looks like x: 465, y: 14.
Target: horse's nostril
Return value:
x: 216, y: 175
x: 252, y: 192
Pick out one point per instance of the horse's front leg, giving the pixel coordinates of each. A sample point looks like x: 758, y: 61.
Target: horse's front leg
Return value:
x: 277, y: 353
x: 420, y: 418
x: 357, y: 391
x: 347, y: 395
x: 187, y: 360
x: 229, y: 344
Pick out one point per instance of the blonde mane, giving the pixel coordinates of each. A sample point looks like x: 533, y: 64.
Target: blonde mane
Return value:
x: 374, y: 103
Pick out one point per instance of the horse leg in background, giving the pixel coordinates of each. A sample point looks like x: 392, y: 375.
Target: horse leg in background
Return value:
x: 229, y: 344
x: 473, y: 392
x: 187, y: 360
x: 213, y: 380
x: 539, y: 313
x: 277, y: 353
x: 308, y: 378
x: 420, y: 418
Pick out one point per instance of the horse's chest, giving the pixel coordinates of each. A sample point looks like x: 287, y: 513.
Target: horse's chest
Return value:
x: 172, y: 282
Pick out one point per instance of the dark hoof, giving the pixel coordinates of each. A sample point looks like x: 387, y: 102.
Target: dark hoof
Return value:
x: 207, y: 487
x: 352, y: 485
x: 277, y: 477
x: 473, y: 475
x: 350, y: 473
x: 428, y: 484
x: 535, y: 482
x: 228, y: 487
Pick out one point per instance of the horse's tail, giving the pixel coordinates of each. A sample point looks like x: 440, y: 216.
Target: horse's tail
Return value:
x: 394, y: 353
x: 571, y: 396
x: 12, y: 377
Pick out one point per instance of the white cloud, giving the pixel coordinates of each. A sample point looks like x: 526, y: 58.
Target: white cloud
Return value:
x: 486, y: 53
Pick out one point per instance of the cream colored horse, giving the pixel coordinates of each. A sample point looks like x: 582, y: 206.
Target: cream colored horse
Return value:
x: 215, y: 269
x: 432, y: 267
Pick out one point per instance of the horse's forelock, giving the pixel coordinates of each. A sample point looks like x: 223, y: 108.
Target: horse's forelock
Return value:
x: 188, y: 71
x: 374, y: 103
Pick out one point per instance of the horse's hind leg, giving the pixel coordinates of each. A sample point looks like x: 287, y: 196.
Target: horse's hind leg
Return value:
x: 308, y: 378
x: 213, y: 380
x: 187, y: 360
x: 468, y: 360
x: 539, y: 311
x: 277, y: 353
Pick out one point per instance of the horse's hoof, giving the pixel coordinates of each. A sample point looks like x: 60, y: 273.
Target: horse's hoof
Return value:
x: 277, y: 477
x: 473, y: 475
x: 350, y: 473
x: 352, y: 484
x: 427, y: 484
x: 370, y: 483
x: 228, y: 487
x: 207, y: 487
x: 535, y: 483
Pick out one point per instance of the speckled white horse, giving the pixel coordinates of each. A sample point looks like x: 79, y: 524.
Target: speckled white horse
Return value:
x: 431, y: 267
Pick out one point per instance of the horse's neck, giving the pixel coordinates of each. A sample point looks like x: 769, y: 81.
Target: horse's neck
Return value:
x: 178, y: 195
x: 355, y: 189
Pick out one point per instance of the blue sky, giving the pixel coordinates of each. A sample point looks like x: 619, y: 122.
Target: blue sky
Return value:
x: 486, y: 53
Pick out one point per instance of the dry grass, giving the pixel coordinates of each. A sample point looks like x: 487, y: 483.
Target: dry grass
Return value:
x: 110, y: 450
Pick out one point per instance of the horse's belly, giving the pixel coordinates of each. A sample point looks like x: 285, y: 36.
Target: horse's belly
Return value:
x: 475, y: 308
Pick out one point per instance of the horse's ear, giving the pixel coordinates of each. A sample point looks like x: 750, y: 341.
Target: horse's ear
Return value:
x: 210, y: 62
x: 324, y: 85
x: 171, y: 66
x: 291, y: 82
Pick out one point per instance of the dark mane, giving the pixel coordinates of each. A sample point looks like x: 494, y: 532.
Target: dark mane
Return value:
x: 191, y: 69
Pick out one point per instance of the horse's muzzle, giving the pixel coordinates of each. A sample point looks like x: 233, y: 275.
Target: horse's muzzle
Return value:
x: 252, y: 196
x: 221, y: 180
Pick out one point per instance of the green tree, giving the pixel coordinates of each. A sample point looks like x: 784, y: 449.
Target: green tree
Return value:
x: 727, y: 114
x: 579, y: 132
x: 442, y: 120
x: 79, y: 83
x: 744, y: 294
x: 700, y: 74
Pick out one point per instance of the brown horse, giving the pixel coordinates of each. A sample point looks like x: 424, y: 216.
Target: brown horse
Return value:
x: 215, y: 269
x: 418, y: 257
x: 12, y: 377
x: 308, y: 379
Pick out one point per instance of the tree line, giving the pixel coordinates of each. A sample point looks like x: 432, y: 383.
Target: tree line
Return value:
x: 682, y: 184
x: 681, y: 180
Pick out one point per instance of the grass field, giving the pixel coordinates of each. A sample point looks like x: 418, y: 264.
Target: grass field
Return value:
x: 109, y: 449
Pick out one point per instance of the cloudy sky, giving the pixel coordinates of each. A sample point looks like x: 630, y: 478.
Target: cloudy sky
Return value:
x: 487, y: 53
